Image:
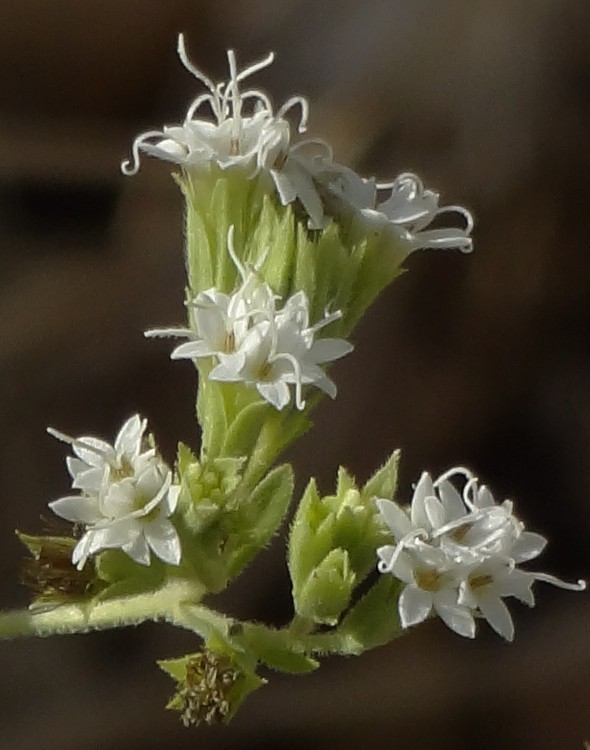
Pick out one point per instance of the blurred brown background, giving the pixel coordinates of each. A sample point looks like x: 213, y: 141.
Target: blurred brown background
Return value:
x: 482, y: 360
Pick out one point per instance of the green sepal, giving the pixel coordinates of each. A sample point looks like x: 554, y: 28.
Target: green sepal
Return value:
x: 311, y: 536
x: 373, y: 620
x: 245, y: 429
x: 260, y: 515
x: 383, y: 483
x: 122, y: 576
x: 276, y: 648
x: 211, y: 414
x: 327, y: 590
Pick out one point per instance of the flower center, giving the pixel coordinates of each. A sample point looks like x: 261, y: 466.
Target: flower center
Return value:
x: 264, y: 371
x: 478, y: 582
x: 140, y: 502
x: 428, y: 579
x: 229, y: 343
x: 122, y: 470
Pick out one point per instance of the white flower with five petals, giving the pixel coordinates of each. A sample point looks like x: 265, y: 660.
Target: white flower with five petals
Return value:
x: 460, y: 551
x: 254, y: 143
x: 127, y: 497
x: 254, y: 341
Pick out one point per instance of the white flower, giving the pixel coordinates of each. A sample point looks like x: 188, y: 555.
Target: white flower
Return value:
x: 457, y: 554
x: 254, y: 342
x: 256, y: 142
x: 94, y: 457
x: 282, y: 351
x: 408, y: 212
x: 127, y: 497
x: 432, y: 581
x: 221, y: 321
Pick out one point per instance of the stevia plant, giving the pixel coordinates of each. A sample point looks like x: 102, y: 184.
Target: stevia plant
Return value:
x: 285, y: 250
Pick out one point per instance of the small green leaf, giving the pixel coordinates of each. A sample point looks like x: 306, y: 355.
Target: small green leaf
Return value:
x: 211, y: 415
x: 383, y: 483
x: 345, y: 482
x: 276, y: 648
x: 327, y: 590
x: 373, y: 620
x: 245, y: 429
x: 260, y: 515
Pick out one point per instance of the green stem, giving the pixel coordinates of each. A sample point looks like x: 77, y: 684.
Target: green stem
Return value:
x: 166, y: 605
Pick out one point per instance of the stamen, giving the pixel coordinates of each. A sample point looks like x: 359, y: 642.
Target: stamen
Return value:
x: 154, y: 333
x: 299, y: 402
x: 130, y: 168
x: 181, y: 49
x: 462, y: 211
x: 326, y: 151
x: 293, y: 102
x: 546, y: 578
x: 76, y: 442
x: 456, y: 470
x: 232, y: 253
x: 262, y: 99
x: 260, y: 65
x: 233, y: 90
x: 213, y: 101
x: 328, y: 318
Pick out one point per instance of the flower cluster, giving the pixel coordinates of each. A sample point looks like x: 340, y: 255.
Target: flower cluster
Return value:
x: 261, y: 143
x: 256, y: 342
x: 126, y: 497
x: 458, y: 554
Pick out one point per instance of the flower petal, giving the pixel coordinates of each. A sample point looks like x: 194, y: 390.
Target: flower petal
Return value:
x: 163, y: 538
x: 414, y: 606
x: 497, y: 614
x: 77, y: 509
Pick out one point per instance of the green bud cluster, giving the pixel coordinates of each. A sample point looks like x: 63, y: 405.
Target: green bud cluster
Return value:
x: 333, y: 541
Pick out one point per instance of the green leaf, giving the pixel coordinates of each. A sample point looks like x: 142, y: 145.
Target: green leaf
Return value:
x: 261, y: 514
x: 345, y: 482
x: 383, y: 483
x: 245, y: 429
x: 373, y: 620
x: 309, y: 540
x: 211, y: 415
x: 276, y: 649
x: 327, y: 590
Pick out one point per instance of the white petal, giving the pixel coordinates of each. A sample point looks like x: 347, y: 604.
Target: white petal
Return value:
x: 456, y: 617
x: 518, y: 583
x: 77, y: 509
x: 171, y: 500
x: 138, y: 550
x: 163, y: 538
x: 418, y: 511
x: 93, y: 451
x: 451, y: 500
x: 385, y: 555
x: 414, y: 606
x: 277, y: 394
x: 81, y: 551
x: 528, y: 546
x: 396, y: 518
x: 90, y: 480
x: 327, y: 350
x: 128, y: 441
x: 435, y: 512
x: 75, y: 466
x: 497, y: 614
x: 192, y: 350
